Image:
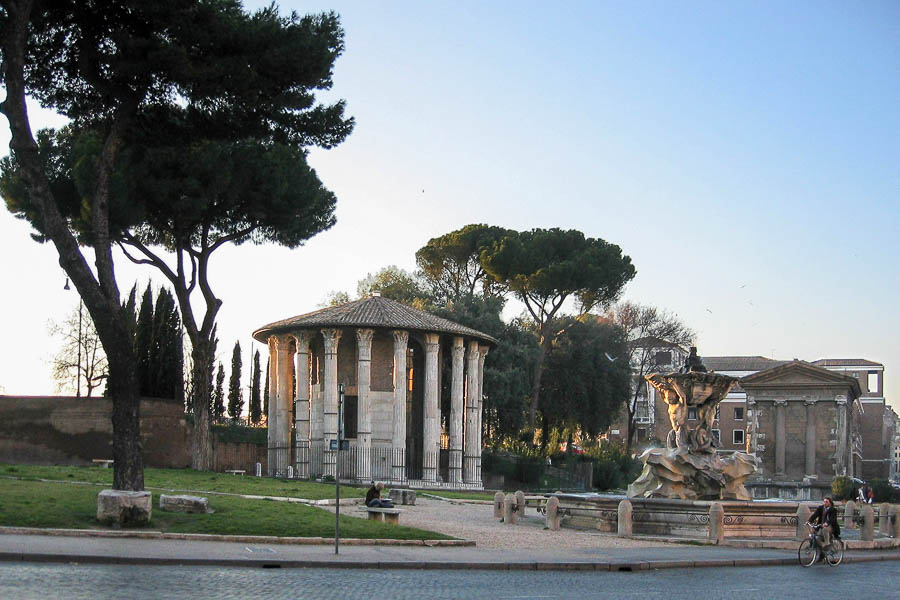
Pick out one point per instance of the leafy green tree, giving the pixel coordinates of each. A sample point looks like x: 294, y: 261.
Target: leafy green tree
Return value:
x: 583, y: 387
x: 255, y: 407
x: 235, y: 393
x: 451, y: 263
x: 218, y: 395
x: 396, y: 284
x: 647, y: 329
x: 546, y: 267
x: 179, y: 142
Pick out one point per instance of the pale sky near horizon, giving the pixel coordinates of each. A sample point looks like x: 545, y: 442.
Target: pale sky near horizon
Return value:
x: 745, y: 155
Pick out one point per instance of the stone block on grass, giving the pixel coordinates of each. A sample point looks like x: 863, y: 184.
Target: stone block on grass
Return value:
x: 184, y: 504
x: 120, y: 507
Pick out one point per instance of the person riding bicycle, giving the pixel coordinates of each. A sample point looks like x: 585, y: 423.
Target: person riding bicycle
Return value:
x: 826, y: 516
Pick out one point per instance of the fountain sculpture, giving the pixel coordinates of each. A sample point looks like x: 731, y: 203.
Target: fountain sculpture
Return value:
x: 689, y: 468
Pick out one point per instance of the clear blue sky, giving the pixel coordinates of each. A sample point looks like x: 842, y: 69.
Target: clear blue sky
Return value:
x: 745, y: 155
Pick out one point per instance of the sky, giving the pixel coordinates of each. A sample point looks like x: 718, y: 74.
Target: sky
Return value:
x: 746, y: 156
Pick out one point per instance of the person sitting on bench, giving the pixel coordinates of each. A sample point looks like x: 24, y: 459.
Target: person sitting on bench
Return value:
x: 373, y: 497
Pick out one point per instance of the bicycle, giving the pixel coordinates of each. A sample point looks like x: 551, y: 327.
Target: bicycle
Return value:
x: 811, y: 549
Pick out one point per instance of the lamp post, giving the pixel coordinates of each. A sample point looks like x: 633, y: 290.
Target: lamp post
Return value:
x: 78, y: 369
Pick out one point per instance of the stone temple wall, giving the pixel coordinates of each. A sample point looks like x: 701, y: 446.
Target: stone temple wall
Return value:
x: 74, y: 431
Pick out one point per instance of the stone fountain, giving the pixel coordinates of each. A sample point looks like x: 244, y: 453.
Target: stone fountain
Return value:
x: 689, y: 467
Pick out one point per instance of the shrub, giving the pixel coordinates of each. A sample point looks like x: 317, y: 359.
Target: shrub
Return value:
x: 843, y: 488
x: 882, y: 490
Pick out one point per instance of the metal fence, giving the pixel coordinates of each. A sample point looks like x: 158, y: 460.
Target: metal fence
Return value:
x: 513, y: 471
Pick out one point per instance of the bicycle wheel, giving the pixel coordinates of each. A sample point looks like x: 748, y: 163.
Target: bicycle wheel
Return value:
x: 835, y: 553
x: 807, y: 553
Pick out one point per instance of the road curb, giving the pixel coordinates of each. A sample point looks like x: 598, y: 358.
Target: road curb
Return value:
x: 245, y: 539
x: 625, y: 566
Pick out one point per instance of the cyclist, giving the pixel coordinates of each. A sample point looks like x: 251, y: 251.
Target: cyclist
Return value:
x: 826, y: 516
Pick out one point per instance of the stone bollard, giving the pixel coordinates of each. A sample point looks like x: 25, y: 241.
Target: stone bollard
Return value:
x: 867, y: 531
x: 498, y: 505
x: 551, y: 519
x: 803, y: 513
x: 849, y: 513
x: 520, y: 503
x: 509, y: 510
x: 895, y: 517
x: 120, y: 507
x: 716, y: 522
x: 259, y: 469
x: 884, y: 520
x: 624, y: 518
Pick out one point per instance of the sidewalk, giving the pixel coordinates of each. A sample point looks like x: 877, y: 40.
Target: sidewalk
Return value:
x: 130, y: 550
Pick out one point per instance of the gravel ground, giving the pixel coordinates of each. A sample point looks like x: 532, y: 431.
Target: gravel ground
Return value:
x: 476, y: 522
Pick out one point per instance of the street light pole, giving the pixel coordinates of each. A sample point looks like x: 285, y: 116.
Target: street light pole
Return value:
x: 78, y: 367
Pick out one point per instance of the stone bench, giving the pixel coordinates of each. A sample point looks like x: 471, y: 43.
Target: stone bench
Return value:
x: 388, y: 515
x: 185, y: 504
x: 103, y: 462
x: 236, y: 471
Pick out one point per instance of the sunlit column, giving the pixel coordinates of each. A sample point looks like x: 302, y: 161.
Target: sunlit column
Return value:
x: 363, y: 385
x: 432, y: 420
x: 456, y: 411
x: 332, y: 338
x: 284, y: 397
x: 272, y: 413
x: 398, y: 439
x: 470, y: 449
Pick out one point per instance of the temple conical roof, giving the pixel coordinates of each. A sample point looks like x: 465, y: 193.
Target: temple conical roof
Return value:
x: 371, y: 312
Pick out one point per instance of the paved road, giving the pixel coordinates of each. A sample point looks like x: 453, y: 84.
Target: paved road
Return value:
x: 26, y: 581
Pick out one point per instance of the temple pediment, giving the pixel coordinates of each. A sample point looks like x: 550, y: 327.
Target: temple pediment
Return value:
x: 798, y: 374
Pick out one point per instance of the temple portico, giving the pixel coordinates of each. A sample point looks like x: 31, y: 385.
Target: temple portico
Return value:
x: 390, y: 359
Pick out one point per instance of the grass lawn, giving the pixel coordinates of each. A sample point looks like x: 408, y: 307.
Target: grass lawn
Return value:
x: 63, y: 505
x: 186, y: 479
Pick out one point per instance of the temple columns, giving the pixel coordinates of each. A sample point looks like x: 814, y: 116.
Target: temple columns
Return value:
x: 482, y: 355
x: 431, y: 446
x: 810, y: 438
x: 472, y: 445
x: 363, y: 385
x: 272, y: 414
x: 456, y: 411
x: 301, y: 423
x: 398, y: 438
x: 779, y: 436
x: 332, y: 338
x: 283, y: 404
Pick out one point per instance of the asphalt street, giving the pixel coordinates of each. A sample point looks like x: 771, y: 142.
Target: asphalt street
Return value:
x: 27, y: 581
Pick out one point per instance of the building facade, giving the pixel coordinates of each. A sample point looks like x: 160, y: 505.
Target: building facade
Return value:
x: 369, y: 372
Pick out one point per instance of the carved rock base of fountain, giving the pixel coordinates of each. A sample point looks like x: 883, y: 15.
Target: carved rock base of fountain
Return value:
x: 677, y: 473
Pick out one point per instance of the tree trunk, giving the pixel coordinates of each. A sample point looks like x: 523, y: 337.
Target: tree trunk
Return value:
x: 128, y: 459
x: 201, y: 451
x: 546, y: 342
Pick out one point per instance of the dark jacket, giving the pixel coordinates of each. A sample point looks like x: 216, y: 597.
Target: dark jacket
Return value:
x: 372, y: 494
x: 829, y: 519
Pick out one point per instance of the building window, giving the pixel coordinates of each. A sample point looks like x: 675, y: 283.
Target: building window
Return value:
x: 737, y: 436
x: 662, y: 358
x: 738, y: 413
x: 642, y: 411
x: 872, y: 382
x: 641, y: 433
x: 716, y: 435
x: 854, y: 374
x: 692, y: 413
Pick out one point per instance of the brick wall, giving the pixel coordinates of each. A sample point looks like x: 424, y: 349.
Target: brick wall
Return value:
x: 74, y: 431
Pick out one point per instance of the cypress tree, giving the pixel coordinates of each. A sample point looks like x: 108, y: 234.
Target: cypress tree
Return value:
x: 167, y: 362
x: 255, y: 408
x: 219, y: 395
x: 143, y: 341
x: 235, y: 393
